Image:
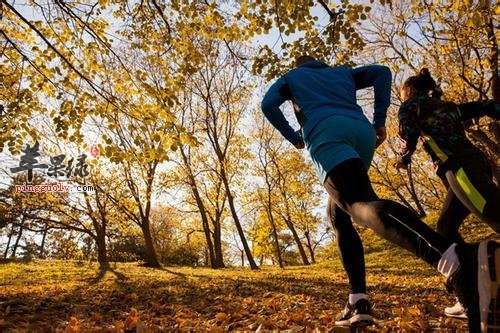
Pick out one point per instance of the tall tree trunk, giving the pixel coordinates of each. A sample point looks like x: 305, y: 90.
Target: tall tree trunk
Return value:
x: 11, y: 233
x: 206, y: 227
x: 273, y: 226
x: 42, y: 245
x: 275, y: 237
x: 270, y: 216
x: 242, y: 258
x: 310, y: 246
x: 206, y: 230
x: 102, y: 254
x: 210, y: 120
x: 289, y: 223
x: 237, y: 220
x: 296, y: 237
x: 20, y: 233
x: 218, y: 255
x: 151, y: 257
x: 99, y: 222
x: 145, y: 210
x: 203, y: 212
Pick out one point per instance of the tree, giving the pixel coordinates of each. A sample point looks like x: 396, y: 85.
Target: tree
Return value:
x: 101, y: 211
x: 286, y: 191
x: 176, y: 237
x: 23, y: 212
x: 88, y: 213
x: 222, y: 91
x: 191, y: 174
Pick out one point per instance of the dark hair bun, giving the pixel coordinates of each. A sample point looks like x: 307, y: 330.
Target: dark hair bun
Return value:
x: 422, y: 83
x: 425, y: 72
x: 426, y: 81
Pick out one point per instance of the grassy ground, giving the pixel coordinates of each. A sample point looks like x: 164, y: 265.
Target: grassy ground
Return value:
x: 40, y: 296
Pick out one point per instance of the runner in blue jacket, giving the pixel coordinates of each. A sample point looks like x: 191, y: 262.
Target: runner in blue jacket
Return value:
x: 341, y: 142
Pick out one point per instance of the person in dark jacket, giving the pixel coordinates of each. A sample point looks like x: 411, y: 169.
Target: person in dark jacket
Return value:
x: 341, y: 142
x: 463, y: 168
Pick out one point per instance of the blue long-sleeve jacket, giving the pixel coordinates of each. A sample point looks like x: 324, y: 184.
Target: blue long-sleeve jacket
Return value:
x: 320, y: 91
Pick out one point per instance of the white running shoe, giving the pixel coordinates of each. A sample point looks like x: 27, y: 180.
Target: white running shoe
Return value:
x: 456, y: 311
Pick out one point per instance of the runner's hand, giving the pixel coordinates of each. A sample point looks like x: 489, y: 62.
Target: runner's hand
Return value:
x: 381, y: 135
x: 400, y: 165
x: 300, y: 145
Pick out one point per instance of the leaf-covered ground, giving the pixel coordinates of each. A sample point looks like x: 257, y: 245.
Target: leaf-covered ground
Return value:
x: 41, y: 296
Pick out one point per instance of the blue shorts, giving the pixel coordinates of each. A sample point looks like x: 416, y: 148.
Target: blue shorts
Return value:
x: 339, y: 138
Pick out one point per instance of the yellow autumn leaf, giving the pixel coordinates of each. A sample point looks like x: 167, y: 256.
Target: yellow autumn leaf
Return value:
x: 221, y: 316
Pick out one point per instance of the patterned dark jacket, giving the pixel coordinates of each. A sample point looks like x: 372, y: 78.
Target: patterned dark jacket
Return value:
x: 439, y: 125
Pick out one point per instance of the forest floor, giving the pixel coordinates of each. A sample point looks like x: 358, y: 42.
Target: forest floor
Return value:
x: 40, y: 296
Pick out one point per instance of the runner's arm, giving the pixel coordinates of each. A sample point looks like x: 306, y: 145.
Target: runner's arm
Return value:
x: 380, y: 78
x: 277, y: 94
x: 408, y: 133
x: 479, y: 109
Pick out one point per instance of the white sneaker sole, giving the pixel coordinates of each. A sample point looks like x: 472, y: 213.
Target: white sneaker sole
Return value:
x: 459, y: 316
x: 356, y: 320
x: 488, y: 287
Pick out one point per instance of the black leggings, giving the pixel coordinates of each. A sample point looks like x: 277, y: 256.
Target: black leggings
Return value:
x: 470, y: 190
x: 349, y: 245
x: 349, y: 187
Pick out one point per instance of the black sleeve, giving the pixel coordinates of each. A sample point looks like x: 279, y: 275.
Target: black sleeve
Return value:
x: 479, y: 109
